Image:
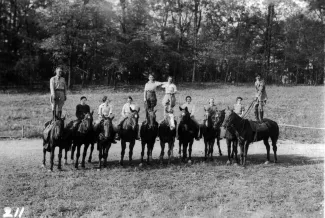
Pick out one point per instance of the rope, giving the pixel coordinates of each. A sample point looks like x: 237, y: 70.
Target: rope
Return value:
x: 249, y: 108
x: 301, y: 127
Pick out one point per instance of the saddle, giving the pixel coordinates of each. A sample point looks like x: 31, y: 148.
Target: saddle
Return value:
x: 258, y: 126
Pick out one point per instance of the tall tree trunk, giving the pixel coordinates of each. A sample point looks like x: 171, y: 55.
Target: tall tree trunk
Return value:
x: 268, y: 42
x: 196, y: 27
x: 123, y: 22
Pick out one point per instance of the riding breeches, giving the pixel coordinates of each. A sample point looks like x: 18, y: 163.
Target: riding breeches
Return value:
x: 58, y: 101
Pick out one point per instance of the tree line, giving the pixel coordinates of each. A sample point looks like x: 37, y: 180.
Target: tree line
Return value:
x: 105, y: 41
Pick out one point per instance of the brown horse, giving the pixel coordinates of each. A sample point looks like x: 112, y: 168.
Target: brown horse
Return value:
x: 167, y: 134
x: 148, y: 134
x: 55, y: 139
x: 81, y: 137
x: 187, y: 130
x: 211, y: 131
x: 128, y: 133
x: 231, y: 139
x: 104, y: 142
x: 248, y: 131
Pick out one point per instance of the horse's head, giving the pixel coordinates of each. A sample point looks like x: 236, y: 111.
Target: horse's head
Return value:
x: 135, y: 114
x: 86, y: 124
x: 229, y: 118
x: 107, y: 127
x: 208, y: 116
x: 151, y: 118
x: 58, y: 128
x: 185, y: 116
x: 170, y: 118
x: 219, y: 117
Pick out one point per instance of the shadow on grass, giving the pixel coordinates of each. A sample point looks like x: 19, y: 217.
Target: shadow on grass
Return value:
x: 254, y: 159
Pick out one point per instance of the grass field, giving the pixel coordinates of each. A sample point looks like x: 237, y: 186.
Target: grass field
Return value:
x: 291, y: 188
x: 300, y: 105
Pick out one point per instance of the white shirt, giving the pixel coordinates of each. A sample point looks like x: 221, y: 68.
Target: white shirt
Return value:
x: 105, y: 110
x: 126, y: 109
x: 190, y: 108
x: 170, y: 88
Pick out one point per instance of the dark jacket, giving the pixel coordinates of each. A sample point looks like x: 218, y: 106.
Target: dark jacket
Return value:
x: 81, y: 110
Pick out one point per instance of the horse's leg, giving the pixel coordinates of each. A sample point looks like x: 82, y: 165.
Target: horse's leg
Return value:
x: 241, y: 147
x: 100, y: 153
x: 131, y: 151
x: 228, y: 141
x: 180, y: 149
x: 123, y: 144
x: 148, y: 152
x: 52, y: 156
x: 267, y: 145
x: 170, y: 151
x: 44, y: 157
x: 107, y: 147
x: 91, y: 152
x: 205, y: 149
x: 185, y: 151
x: 162, y: 152
x: 73, y: 148
x: 218, y: 143
x: 190, y: 151
x: 152, y: 144
x: 246, y: 144
x: 211, y: 149
x: 77, y: 156
x: 86, y: 145
x: 66, y: 155
x: 143, y: 145
x: 275, y: 148
x: 60, y: 157
x: 235, y: 150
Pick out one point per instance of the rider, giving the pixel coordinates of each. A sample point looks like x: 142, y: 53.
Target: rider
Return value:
x: 211, y: 108
x: 150, y: 87
x: 104, y: 111
x: 191, y: 109
x: 238, y: 107
x: 81, y: 110
x: 125, y: 113
x: 260, y: 97
x: 170, y: 91
x: 58, y: 90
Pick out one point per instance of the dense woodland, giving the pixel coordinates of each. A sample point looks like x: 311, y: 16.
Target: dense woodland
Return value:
x: 105, y: 41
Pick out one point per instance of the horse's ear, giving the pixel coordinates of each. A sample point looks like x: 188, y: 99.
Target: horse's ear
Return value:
x: 92, y: 113
x: 131, y: 110
x: 138, y: 109
x: 180, y: 108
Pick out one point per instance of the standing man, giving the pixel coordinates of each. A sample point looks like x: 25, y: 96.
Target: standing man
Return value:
x: 149, y: 95
x: 260, y: 97
x: 58, y: 89
x: 170, y: 91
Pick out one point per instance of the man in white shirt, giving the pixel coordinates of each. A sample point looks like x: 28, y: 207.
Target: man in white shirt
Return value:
x: 170, y: 91
x: 58, y: 90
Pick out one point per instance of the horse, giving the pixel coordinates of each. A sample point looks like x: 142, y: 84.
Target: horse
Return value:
x: 105, y: 137
x: 167, y: 134
x: 128, y: 133
x: 231, y: 139
x: 187, y: 131
x: 82, y: 136
x: 211, y: 131
x: 248, y: 131
x: 55, y: 139
x: 148, y: 134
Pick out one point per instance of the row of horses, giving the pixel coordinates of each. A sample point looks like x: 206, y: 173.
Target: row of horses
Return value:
x: 238, y: 130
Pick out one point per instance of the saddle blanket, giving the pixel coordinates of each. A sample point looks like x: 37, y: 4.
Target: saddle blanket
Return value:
x: 258, y: 126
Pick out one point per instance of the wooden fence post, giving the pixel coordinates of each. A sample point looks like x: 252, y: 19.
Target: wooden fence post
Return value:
x: 23, y: 131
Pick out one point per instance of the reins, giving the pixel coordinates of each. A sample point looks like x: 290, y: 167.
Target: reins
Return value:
x: 249, y: 109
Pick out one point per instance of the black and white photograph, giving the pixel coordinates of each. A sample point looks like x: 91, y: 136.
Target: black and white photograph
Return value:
x: 162, y: 108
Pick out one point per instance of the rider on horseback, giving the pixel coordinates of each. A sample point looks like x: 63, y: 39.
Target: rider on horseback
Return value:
x: 125, y: 113
x: 191, y: 109
x: 211, y: 109
x: 238, y: 107
x: 81, y: 110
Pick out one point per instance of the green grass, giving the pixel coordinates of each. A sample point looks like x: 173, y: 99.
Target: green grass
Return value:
x: 300, y: 105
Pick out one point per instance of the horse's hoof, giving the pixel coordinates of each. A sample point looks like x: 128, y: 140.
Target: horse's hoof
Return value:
x: 98, y: 170
x: 89, y: 161
x: 189, y: 161
x: 66, y: 163
x: 228, y: 163
x: 267, y: 162
x: 83, y: 166
x: 43, y: 166
x: 141, y: 165
x: 220, y: 154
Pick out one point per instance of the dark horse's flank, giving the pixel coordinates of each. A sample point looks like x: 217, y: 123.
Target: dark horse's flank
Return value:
x: 230, y: 137
x: 211, y: 131
x: 246, y: 130
x: 105, y: 137
x: 167, y: 134
x: 82, y: 136
x: 148, y: 134
x: 187, y: 130
x: 55, y: 140
x: 128, y: 133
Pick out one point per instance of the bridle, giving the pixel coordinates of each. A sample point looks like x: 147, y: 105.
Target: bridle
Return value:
x: 232, y: 127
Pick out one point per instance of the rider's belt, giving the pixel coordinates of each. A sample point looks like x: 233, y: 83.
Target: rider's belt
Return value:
x: 61, y: 90
x: 150, y: 91
x: 170, y: 93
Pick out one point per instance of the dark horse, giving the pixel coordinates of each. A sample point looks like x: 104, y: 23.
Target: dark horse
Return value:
x: 187, y: 130
x: 55, y: 139
x: 104, y: 142
x: 231, y: 139
x: 248, y: 131
x: 128, y: 133
x: 82, y: 136
x: 211, y: 131
x: 167, y: 134
x: 148, y: 134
